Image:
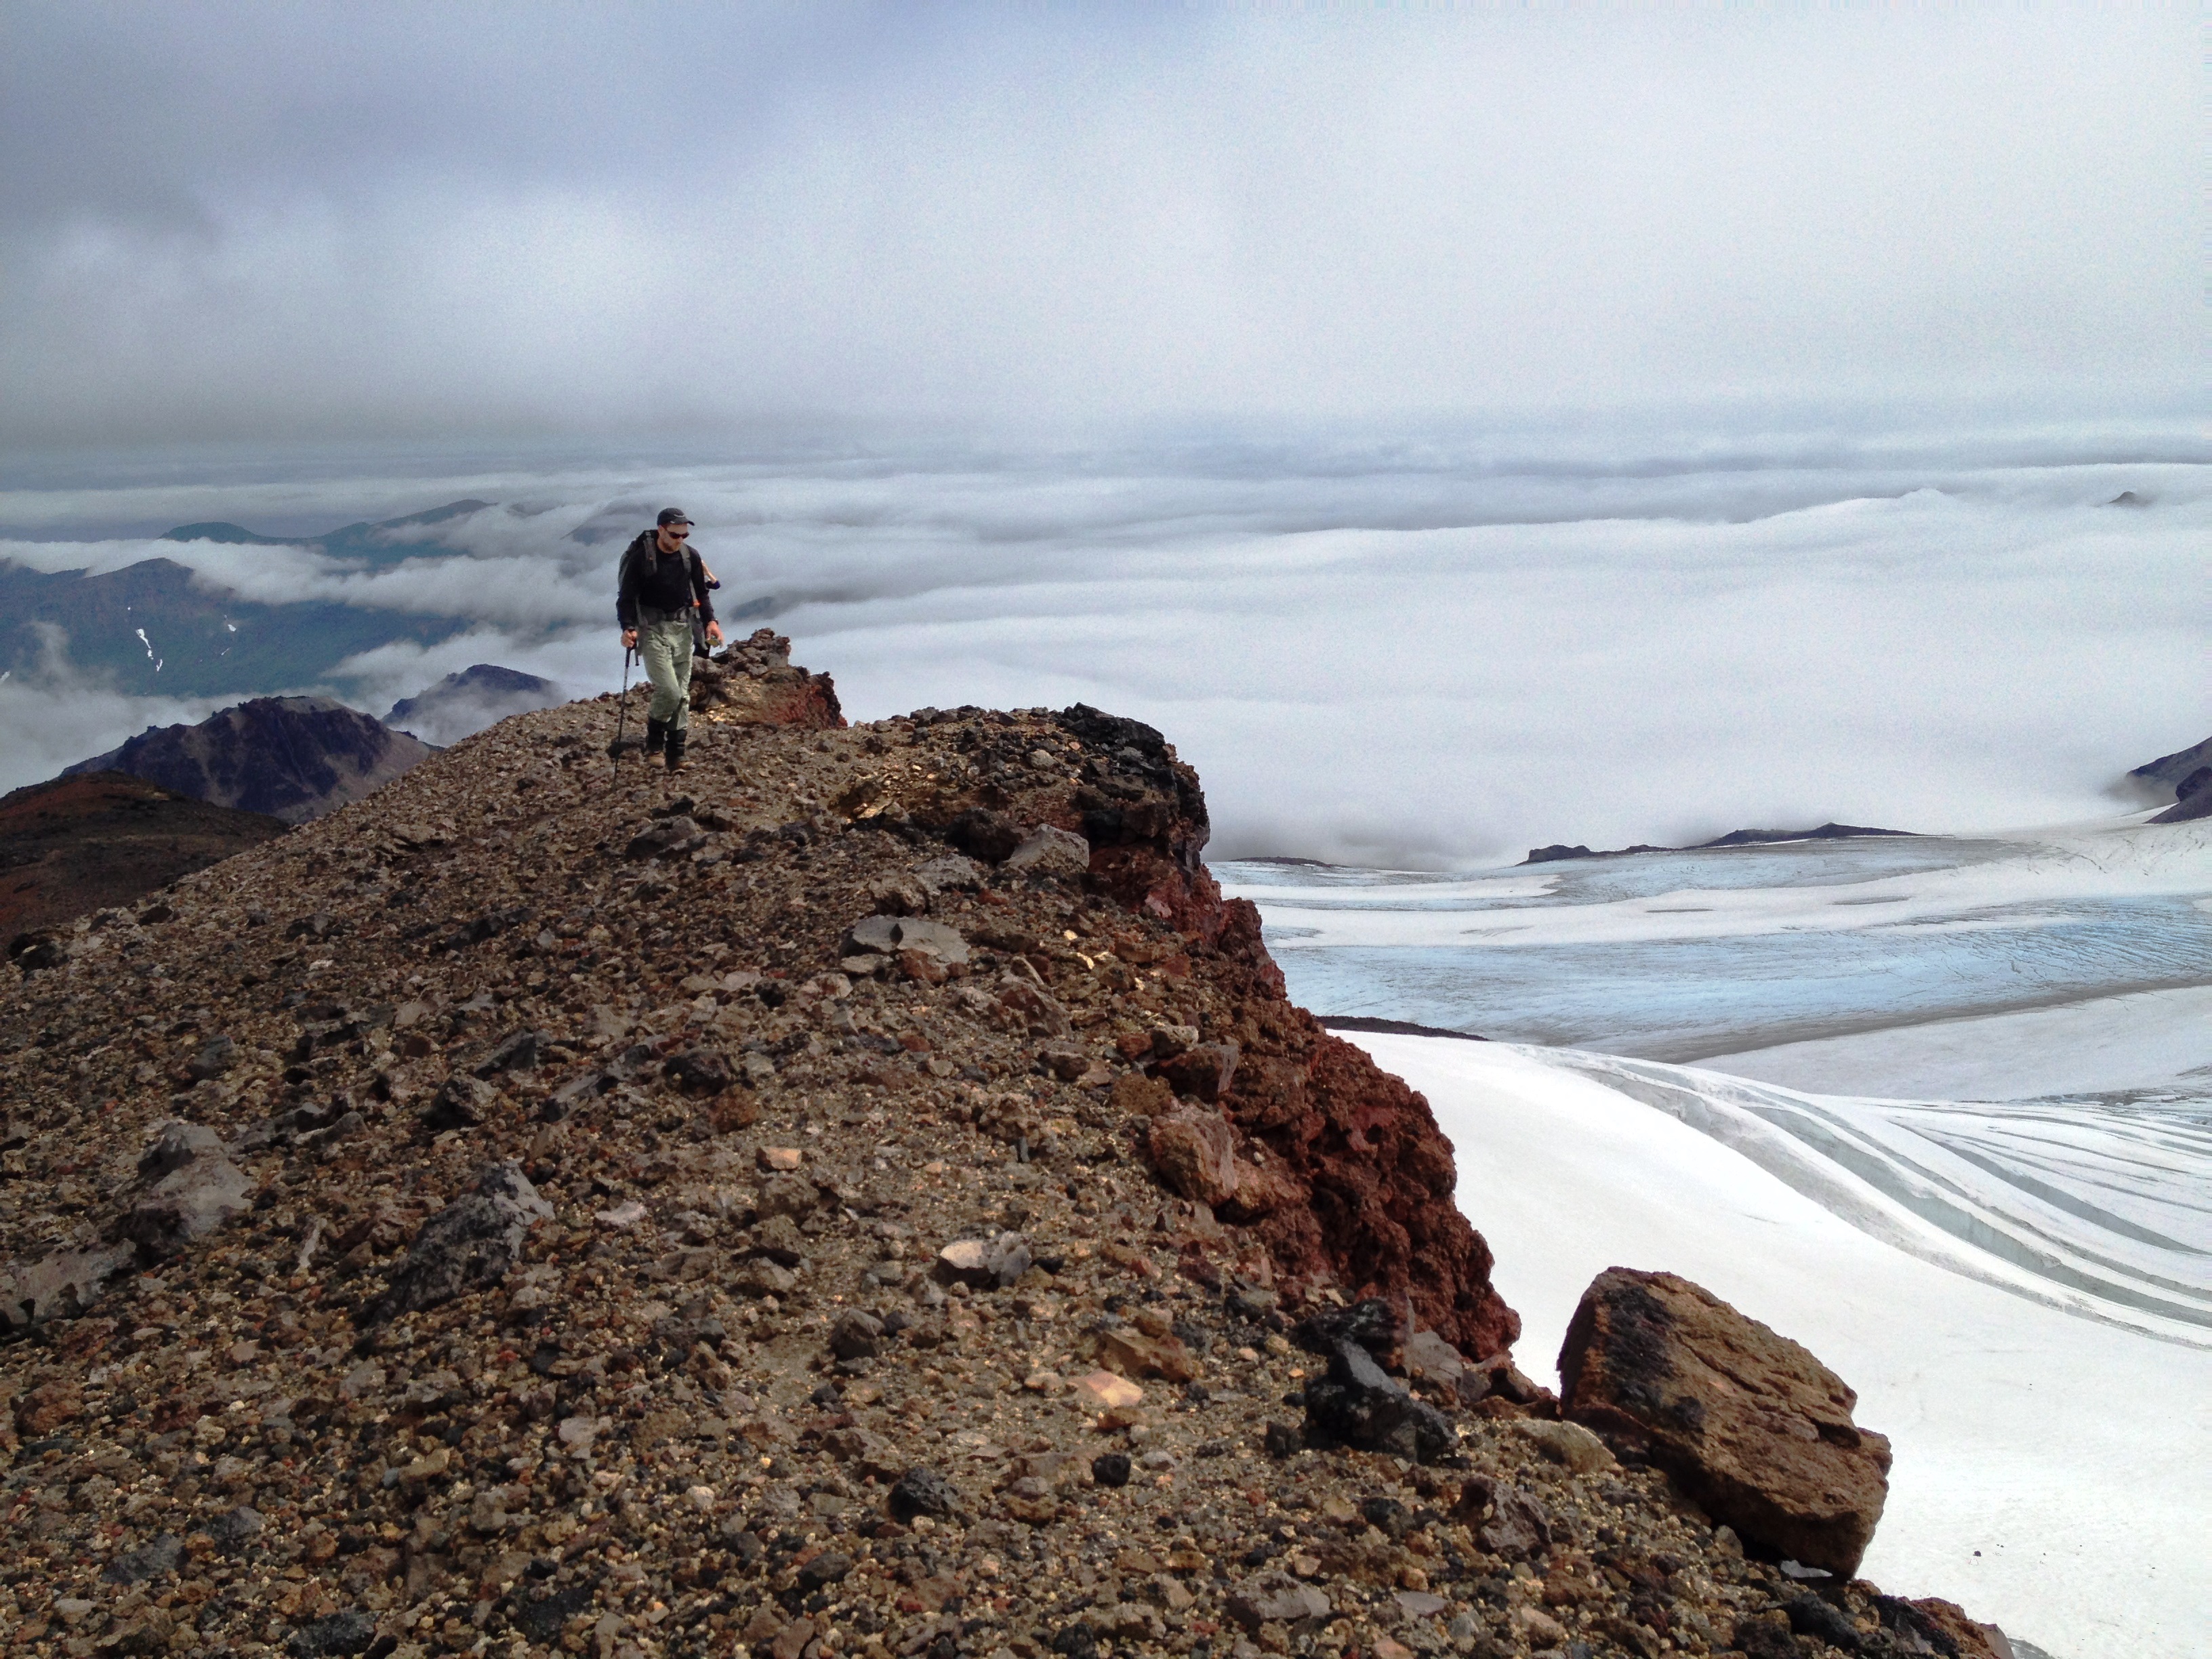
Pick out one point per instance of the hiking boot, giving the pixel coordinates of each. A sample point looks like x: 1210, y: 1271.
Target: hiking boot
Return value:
x: 656, y: 738
x: 677, y: 740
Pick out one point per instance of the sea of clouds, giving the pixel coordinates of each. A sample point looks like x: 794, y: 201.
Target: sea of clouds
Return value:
x: 1431, y: 650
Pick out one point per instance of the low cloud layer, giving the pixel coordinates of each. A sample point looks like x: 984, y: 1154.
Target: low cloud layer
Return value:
x: 1436, y: 652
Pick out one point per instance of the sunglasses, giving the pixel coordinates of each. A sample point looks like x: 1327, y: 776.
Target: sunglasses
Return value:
x: 676, y: 535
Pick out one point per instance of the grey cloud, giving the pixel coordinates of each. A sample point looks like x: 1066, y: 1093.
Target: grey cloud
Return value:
x: 287, y: 221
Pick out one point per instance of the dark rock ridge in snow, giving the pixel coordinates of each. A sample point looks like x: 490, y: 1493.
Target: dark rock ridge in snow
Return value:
x: 539, y: 1208
x: 2185, y: 777
x: 2192, y: 798
x: 461, y: 705
x: 1391, y: 1027
x: 294, y: 758
x: 1558, y: 851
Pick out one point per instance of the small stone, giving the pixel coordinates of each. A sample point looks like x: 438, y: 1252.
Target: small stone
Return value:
x: 984, y: 1265
x: 780, y: 1158
x: 341, y: 1634
x: 1044, y: 1383
x: 923, y: 1492
x: 1105, y: 1390
x: 1542, y: 1630
x: 856, y: 1335
x: 1110, y: 1468
x: 48, y: 1405
x: 1569, y: 1444
x: 1051, y: 852
x: 236, y: 1527
x: 467, y: 1246
x: 1362, y: 1405
x: 828, y: 1568
x: 627, y: 1214
x: 1275, y: 1597
x: 155, y: 1559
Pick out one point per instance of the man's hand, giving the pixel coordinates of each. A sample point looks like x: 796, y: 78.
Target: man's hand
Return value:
x: 713, y: 633
x: 630, y: 639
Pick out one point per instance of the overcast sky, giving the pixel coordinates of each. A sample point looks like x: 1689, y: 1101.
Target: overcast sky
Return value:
x: 236, y: 221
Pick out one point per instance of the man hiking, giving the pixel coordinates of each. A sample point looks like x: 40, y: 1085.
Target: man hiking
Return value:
x: 662, y: 584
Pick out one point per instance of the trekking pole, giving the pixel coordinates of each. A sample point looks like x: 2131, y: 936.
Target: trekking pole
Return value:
x: 622, y: 717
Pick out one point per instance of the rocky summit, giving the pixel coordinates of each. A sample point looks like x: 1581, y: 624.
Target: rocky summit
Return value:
x: 866, y: 1195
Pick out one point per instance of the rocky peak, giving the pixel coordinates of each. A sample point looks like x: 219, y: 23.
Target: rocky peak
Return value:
x: 868, y: 1195
x: 293, y: 758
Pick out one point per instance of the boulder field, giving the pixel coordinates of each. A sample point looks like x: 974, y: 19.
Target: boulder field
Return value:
x: 867, y: 1195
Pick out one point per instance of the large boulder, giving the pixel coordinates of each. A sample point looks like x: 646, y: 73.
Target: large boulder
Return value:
x: 468, y: 1245
x: 1748, y: 1423
x: 192, y: 1189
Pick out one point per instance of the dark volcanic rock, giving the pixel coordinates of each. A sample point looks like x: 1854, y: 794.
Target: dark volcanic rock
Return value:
x: 1558, y: 850
x: 341, y: 1634
x: 155, y: 1558
x: 923, y: 1491
x: 294, y: 758
x: 1504, y: 1518
x: 2163, y: 775
x: 1752, y: 1425
x: 1360, y: 1403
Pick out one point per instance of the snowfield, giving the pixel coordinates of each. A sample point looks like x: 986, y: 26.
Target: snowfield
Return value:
x: 1949, y: 1126
x: 2053, y: 1471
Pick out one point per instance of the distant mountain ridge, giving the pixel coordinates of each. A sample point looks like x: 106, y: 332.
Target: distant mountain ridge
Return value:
x: 1558, y: 851
x: 386, y: 542
x: 294, y: 758
x: 158, y: 628
x: 463, y: 704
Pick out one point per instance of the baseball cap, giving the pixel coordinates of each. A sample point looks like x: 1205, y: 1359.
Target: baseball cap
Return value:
x: 672, y: 515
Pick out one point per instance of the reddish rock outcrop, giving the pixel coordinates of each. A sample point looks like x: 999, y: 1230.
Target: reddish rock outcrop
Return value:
x: 1747, y: 1422
x: 755, y: 683
x: 1379, y: 1219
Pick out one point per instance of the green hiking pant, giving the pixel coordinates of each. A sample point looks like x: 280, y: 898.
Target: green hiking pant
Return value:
x: 664, y: 647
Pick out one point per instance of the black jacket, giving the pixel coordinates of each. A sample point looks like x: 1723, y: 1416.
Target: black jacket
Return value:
x: 665, y: 581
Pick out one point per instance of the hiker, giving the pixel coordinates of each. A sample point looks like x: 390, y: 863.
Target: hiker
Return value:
x: 662, y: 584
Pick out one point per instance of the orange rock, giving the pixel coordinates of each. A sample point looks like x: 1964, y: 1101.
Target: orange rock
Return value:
x: 1106, y: 1390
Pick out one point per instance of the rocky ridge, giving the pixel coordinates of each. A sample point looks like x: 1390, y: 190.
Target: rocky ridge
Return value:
x: 870, y: 1195
x: 74, y: 844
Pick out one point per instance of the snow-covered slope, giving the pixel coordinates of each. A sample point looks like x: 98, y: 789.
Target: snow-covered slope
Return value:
x: 2054, y: 1470
x: 1949, y: 1125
